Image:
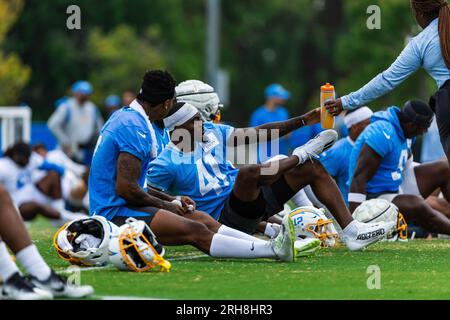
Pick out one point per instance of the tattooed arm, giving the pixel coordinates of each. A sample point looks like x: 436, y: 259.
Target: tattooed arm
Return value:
x: 127, y: 187
x: 283, y: 127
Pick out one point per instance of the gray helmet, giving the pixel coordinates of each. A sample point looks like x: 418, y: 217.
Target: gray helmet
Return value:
x: 202, y: 96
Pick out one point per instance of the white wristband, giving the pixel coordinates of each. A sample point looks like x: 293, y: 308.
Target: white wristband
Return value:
x: 357, y: 197
x: 177, y: 202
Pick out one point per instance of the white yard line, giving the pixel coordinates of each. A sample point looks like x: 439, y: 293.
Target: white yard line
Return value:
x: 125, y: 298
x: 129, y: 297
x: 69, y: 270
x: 189, y: 258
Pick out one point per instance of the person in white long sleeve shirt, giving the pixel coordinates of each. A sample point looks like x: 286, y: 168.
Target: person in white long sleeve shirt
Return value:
x: 76, y: 123
x: 429, y: 50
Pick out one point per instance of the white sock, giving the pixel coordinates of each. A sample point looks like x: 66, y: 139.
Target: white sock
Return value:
x: 7, y: 265
x: 272, y: 230
x: 351, y: 229
x: 301, y: 199
x: 230, y: 232
x: 228, y: 247
x: 32, y: 261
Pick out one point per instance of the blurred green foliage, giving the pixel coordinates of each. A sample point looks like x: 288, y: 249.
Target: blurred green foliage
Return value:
x: 360, y: 53
x: 299, y: 43
x: 13, y: 74
x: 118, y: 59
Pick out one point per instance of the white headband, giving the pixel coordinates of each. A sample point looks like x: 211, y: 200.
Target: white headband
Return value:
x: 357, y: 116
x: 180, y: 117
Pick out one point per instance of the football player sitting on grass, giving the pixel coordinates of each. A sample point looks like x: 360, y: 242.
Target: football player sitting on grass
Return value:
x: 195, y: 164
x: 34, y: 194
x: 118, y: 173
x: 379, y: 161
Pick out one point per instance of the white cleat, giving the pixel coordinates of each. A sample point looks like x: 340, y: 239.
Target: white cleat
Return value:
x: 19, y: 288
x: 314, y: 147
x: 283, y: 244
x: 306, y: 247
x: 367, y: 234
x: 59, y: 286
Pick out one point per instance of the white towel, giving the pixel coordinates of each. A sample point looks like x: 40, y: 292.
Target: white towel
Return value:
x: 137, y: 107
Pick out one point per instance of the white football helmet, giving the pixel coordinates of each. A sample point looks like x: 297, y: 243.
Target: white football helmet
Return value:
x: 133, y: 249
x: 380, y: 210
x: 202, y: 96
x: 310, y: 222
x: 85, y: 242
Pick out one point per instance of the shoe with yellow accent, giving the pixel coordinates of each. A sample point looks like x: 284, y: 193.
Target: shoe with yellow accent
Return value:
x: 283, y: 244
x: 306, y: 247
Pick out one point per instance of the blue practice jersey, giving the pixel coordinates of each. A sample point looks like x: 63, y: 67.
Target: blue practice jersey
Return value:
x: 262, y: 116
x: 204, y: 175
x: 126, y: 131
x: 385, y: 136
x: 162, y: 137
x: 336, y: 161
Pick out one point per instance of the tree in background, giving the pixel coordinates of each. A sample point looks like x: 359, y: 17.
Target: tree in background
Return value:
x: 59, y: 57
x: 299, y: 43
x: 360, y: 54
x: 266, y: 42
x: 13, y: 74
x: 119, y: 59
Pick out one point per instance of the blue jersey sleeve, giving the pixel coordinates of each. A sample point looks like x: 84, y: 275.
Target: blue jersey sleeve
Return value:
x: 133, y: 140
x: 49, y: 166
x: 331, y: 161
x: 378, y: 137
x: 161, y: 175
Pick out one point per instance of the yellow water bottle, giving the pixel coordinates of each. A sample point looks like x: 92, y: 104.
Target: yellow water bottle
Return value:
x: 326, y: 119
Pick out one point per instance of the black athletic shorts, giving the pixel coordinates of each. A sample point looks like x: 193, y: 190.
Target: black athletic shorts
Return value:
x: 145, y: 214
x: 246, y: 216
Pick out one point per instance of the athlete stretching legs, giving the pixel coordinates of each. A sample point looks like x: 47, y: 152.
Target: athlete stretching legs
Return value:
x: 127, y: 144
x: 193, y: 164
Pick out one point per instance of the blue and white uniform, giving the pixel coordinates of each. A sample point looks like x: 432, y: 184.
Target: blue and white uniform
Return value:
x: 20, y: 181
x: 336, y: 161
x: 423, y: 51
x: 128, y: 130
x: 385, y: 136
x: 204, y: 175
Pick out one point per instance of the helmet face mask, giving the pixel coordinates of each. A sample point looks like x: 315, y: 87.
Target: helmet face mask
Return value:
x: 324, y: 231
x: 311, y: 222
x: 134, y: 249
x: 402, y: 227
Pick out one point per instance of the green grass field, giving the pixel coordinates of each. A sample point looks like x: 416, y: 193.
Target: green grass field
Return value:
x: 418, y: 269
